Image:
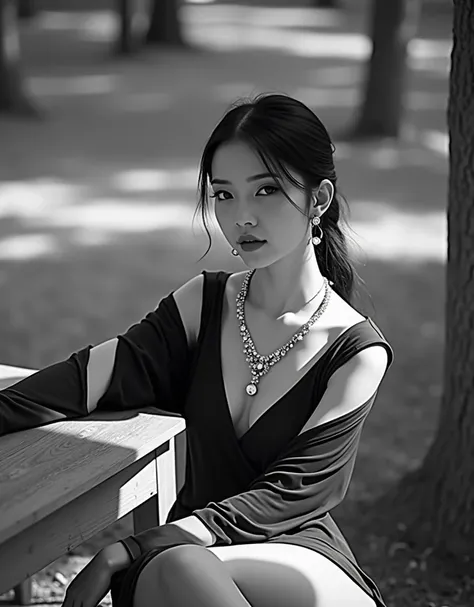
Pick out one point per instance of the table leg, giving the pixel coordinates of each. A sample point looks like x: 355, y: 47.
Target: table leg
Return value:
x: 23, y: 593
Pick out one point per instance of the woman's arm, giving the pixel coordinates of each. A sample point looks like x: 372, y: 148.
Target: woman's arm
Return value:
x: 145, y: 366
x: 120, y: 555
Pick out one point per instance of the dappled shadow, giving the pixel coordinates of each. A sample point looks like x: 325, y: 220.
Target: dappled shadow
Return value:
x: 151, y: 114
x: 96, y: 202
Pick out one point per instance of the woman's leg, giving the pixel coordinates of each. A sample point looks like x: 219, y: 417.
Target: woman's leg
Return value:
x: 279, y: 575
x: 187, y: 576
x: 259, y: 575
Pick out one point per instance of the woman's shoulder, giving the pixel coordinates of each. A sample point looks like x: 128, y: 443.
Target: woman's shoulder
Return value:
x: 193, y: 295
x: 342, y: 314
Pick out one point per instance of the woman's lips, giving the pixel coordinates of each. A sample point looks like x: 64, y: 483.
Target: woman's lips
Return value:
x: 252, y: 246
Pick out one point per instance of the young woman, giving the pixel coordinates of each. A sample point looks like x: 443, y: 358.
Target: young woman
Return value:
x: 274, y: 371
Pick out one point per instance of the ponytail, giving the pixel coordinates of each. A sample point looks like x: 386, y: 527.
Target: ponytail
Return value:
x: 332, y: 253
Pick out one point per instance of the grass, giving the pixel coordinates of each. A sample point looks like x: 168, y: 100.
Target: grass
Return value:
x: 96, y: 204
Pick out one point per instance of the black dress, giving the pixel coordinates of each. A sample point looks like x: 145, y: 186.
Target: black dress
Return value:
x: 271, y: 485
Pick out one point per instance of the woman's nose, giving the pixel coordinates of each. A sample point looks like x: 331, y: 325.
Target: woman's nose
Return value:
x: 245, y: 216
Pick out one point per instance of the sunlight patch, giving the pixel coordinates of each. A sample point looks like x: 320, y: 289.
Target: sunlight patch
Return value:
x: 149, y: 180
x: 27, y: 246
x: 131, y: 216
x: 399, y: 235
x: 261, y: 16
x: 93, y: 84
x: 436, y: 141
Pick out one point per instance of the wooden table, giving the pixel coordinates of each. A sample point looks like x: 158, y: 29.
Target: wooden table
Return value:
x: 62, y: 483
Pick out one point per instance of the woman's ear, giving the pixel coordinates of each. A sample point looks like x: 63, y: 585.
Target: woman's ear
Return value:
x: 323, y: 196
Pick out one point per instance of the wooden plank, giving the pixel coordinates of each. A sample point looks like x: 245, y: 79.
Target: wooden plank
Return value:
x: 155, y: 511
x: 34, y: 548
x: 23, y: 593
x: 44, y: 469
x: 166, y: 481
x: 180, y: 450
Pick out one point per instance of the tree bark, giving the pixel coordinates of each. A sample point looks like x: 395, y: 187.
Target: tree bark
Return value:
x: 393, y: 25
x: 165, y: 26
x: 13, y: 98
x: 441, y: 492
x: 326, y: 3
x: 134, y: 19
x: 27, y: 9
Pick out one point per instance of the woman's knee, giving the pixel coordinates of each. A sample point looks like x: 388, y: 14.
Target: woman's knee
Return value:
x: 167, y: 568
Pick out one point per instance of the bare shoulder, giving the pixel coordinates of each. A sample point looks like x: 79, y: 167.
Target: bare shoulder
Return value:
x: 343, y: 316
x: 188, y: 300
x: 371, y: 362
x: 343, y: 313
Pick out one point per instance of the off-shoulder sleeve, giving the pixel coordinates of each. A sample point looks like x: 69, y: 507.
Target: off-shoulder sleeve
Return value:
x: 309, y: 478
x: 52, y: 394
x: 151, y: 363
x: 150, y: 369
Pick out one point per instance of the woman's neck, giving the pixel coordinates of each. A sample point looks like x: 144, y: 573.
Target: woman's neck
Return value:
x: 285, y: 288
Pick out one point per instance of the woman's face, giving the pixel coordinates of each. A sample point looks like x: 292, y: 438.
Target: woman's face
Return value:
x: 250, y: 202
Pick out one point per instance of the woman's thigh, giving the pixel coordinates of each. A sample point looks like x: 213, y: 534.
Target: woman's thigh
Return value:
x: 278, y: 575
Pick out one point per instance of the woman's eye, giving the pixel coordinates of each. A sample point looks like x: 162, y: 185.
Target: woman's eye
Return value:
x: 216, y: 195
x: 271, y: 187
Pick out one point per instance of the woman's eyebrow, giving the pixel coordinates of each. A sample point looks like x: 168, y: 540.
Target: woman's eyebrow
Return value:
x: 253, y: 178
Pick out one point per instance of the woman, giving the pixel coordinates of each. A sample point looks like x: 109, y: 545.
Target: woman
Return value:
x: 274, y: 371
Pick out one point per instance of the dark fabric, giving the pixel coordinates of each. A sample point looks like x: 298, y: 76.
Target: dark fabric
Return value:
x: 308, y: 479
x: 59, y: 391
x: 156, y: 537
x: 270, y: 484
x: 152, y: 363
x: 155, y: 542
x: 52, y: 394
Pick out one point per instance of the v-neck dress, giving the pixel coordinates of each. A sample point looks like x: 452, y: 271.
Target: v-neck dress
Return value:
x: 271, y: 485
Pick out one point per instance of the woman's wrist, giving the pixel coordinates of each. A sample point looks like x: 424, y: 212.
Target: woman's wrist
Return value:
x: 115, y: 557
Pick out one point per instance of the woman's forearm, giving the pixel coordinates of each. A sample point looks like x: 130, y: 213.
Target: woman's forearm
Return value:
x: 115, y: 557
x: 192, y: 524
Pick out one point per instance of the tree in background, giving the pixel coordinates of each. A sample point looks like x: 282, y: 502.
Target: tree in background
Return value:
x: 393, y: 25
x: 154, y: 22
x: 326, y: 3
x: 13, y: 98
x: 165, y: 26
x: 27, y: 9
x: 438, y: 498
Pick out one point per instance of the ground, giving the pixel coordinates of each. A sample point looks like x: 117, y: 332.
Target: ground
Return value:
x: 97, y: 200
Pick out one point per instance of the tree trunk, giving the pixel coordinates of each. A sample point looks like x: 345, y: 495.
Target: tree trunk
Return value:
x: 134, y: 18
x: 393, y: 25
x: 441, y: 492
x: 27, y: 9
x: 326, y: 3
x: 165, y: 26
x: 13, y: 98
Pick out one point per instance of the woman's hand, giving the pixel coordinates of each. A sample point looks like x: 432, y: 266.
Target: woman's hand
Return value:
x: 90, y: 585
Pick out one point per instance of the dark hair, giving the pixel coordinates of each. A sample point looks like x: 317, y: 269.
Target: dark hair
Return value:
x: 287, y: 135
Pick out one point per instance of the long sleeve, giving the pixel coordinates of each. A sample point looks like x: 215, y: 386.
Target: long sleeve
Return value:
x: 150, y: 369
x: 55, y: 393
x: 308, y: 479
x: 151, y: 363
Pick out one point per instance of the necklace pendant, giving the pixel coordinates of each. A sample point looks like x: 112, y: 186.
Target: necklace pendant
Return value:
x: 251, y: 389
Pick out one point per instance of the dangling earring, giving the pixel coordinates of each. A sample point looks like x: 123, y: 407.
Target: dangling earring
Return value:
x: 315, y: 223
x: 235, y: 252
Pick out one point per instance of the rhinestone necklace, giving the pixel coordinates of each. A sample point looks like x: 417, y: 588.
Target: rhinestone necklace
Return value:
x: 260, y: 365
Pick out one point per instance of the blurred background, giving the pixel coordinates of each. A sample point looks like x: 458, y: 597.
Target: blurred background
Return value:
x: 107, y: 106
